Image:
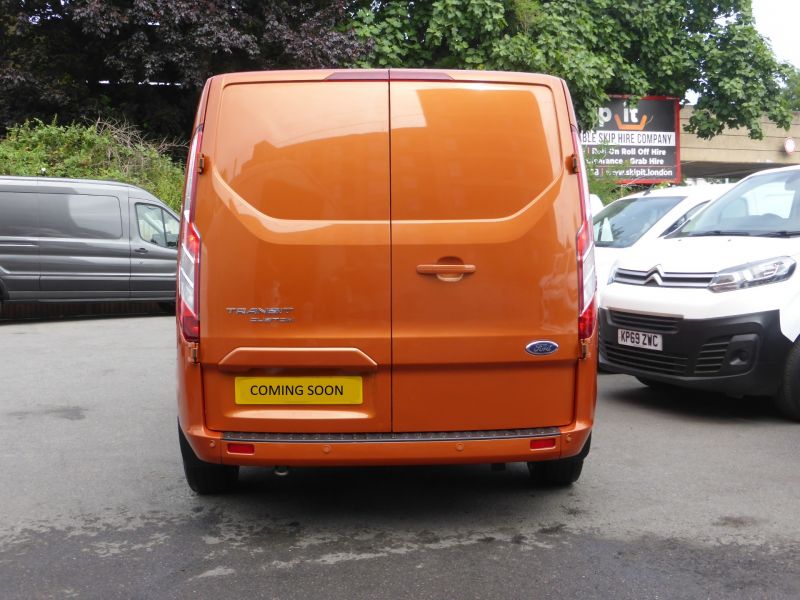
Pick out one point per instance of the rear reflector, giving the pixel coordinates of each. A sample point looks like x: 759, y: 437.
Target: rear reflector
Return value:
x: 241, y: 449
x: 541, y: 444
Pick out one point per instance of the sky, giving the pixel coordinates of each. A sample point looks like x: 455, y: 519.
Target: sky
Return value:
x: 778, y: 20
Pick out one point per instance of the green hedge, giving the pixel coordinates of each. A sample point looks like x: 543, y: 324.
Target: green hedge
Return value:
x: 101, y: 150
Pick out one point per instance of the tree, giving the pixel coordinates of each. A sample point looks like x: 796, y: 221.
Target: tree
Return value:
x: 792, y: 90
x: 99, y: 150
x: 146, y: 61
x: 661, y: 47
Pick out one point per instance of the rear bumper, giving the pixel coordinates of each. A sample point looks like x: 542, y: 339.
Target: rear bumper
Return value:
x: 737, y: 355
x: 364, y: 449
x: 458, y: 448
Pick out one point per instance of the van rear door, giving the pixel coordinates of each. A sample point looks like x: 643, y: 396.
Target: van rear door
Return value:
x: 484, y: 221
x: 293, y: 216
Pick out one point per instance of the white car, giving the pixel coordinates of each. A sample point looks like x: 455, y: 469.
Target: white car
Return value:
x: 638, y: 218
x: 715, y: 305
x: 596, y: 204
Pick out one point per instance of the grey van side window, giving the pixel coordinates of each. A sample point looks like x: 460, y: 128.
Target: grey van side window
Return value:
x: 19, y: 214
x: 80, y: 216
x: 157, y: 226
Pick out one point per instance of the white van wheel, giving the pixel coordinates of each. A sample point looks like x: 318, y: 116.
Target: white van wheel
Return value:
x: 788, y: 397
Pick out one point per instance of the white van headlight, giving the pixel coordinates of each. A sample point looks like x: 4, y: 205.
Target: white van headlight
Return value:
x: 752, y: 274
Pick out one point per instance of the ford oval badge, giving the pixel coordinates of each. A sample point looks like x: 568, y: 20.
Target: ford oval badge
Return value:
x: 541, y: 347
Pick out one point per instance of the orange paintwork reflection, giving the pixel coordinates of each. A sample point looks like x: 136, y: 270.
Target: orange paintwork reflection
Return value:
x: 457, y: 157
x: 295, y: 151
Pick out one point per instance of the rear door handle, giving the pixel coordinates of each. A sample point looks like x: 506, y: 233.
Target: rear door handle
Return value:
x: 141, y: 250
x: 445, y: 269
x: 446, y: 272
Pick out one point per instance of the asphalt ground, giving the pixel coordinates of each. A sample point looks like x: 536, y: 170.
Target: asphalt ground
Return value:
x: 683, y: 496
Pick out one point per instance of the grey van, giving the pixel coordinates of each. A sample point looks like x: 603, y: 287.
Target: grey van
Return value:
x: 84, y: 240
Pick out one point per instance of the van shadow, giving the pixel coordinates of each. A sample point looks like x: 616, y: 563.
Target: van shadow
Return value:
x: 693, y: 404
x: 19, y: 312
x: 456, y: 494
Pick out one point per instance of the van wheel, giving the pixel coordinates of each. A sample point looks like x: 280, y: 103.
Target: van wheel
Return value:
x: 788, y: 397
x: 559, y: 473
x: 205, y: 478
x: 556, y: 473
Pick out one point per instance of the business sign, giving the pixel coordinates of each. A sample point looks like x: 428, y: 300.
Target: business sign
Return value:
x: 636, y: 144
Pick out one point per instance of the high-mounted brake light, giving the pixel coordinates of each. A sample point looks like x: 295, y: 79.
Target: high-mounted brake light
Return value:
x: 189, y: 256
x: 584, y: 244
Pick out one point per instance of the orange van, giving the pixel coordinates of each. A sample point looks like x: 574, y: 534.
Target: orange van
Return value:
x: 383, y: 267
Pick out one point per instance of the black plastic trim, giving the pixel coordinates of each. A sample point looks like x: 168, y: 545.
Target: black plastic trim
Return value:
x: 691, y: 353
x: 422, y: 436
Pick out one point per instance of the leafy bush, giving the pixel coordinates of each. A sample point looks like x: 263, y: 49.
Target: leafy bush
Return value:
x: 102, y: 150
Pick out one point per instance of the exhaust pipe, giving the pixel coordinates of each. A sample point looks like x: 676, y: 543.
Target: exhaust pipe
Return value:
x: 281, y: 471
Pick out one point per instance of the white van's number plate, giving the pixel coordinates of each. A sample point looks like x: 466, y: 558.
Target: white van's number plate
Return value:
x: 639, y: 339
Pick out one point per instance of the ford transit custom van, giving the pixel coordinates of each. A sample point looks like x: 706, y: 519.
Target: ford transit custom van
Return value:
x: 385, y: 267
x: 84, y: 240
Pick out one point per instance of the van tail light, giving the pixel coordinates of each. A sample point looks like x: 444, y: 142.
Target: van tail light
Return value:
x: 189, y: 255
x: 587, y: 276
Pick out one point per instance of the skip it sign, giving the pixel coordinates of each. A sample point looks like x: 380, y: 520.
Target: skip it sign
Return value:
x: 636, y: 144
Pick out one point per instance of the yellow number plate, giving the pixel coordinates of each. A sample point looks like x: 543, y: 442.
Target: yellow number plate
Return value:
x: 299, y: 390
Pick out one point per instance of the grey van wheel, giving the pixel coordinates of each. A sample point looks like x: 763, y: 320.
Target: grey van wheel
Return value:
x: 788, y: 397
x: 559, y: 473
x: 205, y: 478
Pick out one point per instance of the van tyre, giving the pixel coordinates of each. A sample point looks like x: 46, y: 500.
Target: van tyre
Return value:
x: 206, y: 478
x: 788, y: 397
x: 559, y: 473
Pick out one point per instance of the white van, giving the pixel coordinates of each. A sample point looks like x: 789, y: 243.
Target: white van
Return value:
x: 627, y: 223
x: 716, y: 304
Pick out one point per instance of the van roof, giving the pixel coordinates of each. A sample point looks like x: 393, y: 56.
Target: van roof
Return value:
x: 13, y: 178
x: 107, y: 183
